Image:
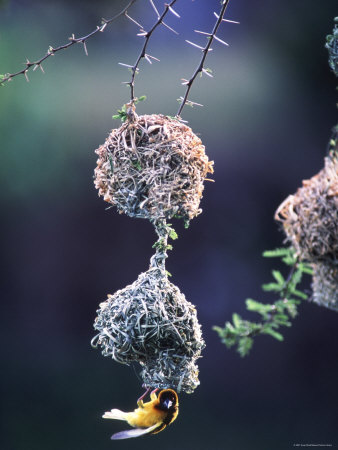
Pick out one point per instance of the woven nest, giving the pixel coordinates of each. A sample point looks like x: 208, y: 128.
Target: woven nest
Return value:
x: 151, y: 322
x: 325, y: 285
x: 153, y: 167
x: 310, y: 217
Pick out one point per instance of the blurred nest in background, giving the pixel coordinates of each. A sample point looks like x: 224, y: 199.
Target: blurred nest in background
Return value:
x: 324, y: 285
x: 151, y: 322
x: 153, y: 167
x: 310, y: 216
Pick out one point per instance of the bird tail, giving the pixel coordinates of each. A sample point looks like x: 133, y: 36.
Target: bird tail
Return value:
x: 115, y: 414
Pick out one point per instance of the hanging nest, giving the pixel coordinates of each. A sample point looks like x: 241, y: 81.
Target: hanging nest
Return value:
x: 325, y: 285
x: 151, y: 322
x: 310, y: 216
x: 153, y: 167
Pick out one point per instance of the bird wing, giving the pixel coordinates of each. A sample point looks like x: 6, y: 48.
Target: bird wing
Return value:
x: 136, y: 432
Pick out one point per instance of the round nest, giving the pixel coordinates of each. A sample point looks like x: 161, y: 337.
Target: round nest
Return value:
x: 325, y: 285
x: 151, y: 322
x: 310, y: 217
x: 153, y: 167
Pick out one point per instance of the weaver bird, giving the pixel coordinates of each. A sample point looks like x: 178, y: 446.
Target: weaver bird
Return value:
x: 149, y: 418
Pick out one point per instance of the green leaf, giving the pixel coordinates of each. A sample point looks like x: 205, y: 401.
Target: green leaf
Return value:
x: 299, y: 294
x: 244, y: 346
x: 305, y: 268
x: 172, y: 234
x: 268, y: 287
x: 278, y: 277
x: 273, y: 333
x: 236, y: 320
x: 137, y: 165
x: 278, y: 252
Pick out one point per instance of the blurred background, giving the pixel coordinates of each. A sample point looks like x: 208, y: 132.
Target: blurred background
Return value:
x: 266, y: 122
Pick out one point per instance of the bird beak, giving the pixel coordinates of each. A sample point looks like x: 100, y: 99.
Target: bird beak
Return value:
x: 168, y: 403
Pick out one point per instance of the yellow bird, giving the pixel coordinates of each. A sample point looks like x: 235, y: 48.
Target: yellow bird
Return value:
x: 149, y: 418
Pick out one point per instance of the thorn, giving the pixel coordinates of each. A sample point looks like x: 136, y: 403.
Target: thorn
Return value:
x: 207, y: 73
x: 216, y: 15
x: 133, y: 20
x: 103, y: 27
x: 198, y: 46
x: 230, y: 21
x: 143, y: 33
x: 203, y: 32
x: 26, y: 76
x: 154, y: 7
x: 41, y: 68
x: 173, y: 11
x: 220, y: 40
x: 184, y: 81
x: 85, y: 47
x: 126, y: 65
x: 147, y: 58
x: 189, y: 102
x: 153, y: 57
x: 169, y: 28
x: 35, y: 67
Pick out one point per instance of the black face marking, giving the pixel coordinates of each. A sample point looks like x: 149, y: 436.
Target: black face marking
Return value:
x: 168, y: 402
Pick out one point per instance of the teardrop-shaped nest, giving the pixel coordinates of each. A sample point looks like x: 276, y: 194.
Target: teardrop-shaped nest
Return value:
x: 151, y: 322
x: 325, y: 285
x: 310, y: 216
x: 153, y: 167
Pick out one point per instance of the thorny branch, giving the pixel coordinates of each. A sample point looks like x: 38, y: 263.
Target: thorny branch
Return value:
x: 200, y: 68
x: 147, y: 34
x: 72, y: 40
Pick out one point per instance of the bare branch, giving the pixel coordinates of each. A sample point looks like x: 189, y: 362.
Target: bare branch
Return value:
x: 147, y: 34
x: 205, y: 50
x: 72, y: 40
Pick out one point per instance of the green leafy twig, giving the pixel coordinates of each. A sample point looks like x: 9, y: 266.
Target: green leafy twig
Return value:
x: 240, y: 332
x: 123, y: 112
x: 162, y: 243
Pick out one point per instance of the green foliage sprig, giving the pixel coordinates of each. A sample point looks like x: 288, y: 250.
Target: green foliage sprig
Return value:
x: 123, y: 112
x: 162, y: 243
x: 240, y: 332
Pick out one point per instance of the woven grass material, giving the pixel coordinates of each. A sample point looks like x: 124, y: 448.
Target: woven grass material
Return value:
x: 325, y: 285
x: 310, y: 217
x: 153, y: 167
x: 151, y: 322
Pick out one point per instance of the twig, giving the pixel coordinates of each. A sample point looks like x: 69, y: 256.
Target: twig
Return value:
x: 205, y: 50
x: 147, y: 34
x: 73, y: 40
